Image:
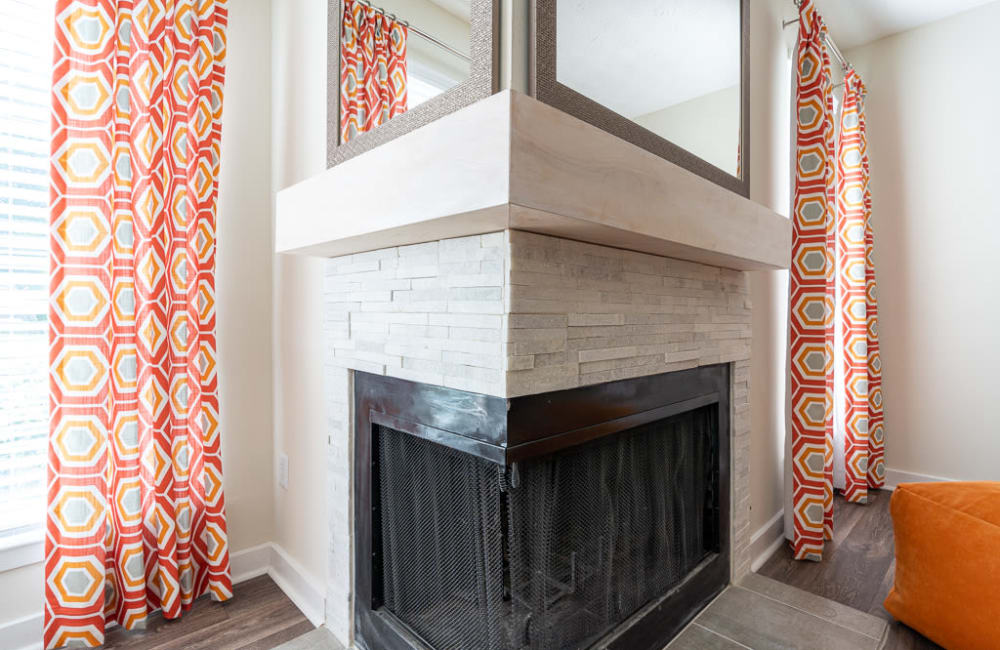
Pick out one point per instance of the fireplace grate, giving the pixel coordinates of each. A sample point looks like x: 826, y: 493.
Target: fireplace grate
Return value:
x: 553, y: 552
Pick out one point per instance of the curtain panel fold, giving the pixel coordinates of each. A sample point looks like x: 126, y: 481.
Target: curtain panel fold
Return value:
x: 832, y: 279
x: 811, y: 291
x: 135, y: 515
x: 372, y: 69
x: 864, y: 432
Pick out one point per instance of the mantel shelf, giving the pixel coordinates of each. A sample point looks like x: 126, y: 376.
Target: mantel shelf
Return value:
x: 511, y: 162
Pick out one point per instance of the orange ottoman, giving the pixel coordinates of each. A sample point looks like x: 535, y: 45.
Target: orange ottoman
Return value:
x: 948, y: 562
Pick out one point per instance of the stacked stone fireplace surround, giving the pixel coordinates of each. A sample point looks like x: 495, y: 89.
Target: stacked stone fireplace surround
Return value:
x: 514, y: 313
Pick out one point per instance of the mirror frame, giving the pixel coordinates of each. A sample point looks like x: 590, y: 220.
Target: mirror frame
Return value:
x: 483, y: 81
x: 544, y: 86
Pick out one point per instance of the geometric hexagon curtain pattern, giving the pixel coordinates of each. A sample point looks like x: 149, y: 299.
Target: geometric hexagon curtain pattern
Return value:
x: 136, y: 515
x: 811, y: 289
x: 864, y: 434
x: 831, y: 244
x: 372, y: 69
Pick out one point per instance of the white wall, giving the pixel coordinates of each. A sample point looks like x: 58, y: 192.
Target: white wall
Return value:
x: 243, y: 277
x: 298, y: 150
x: 934, y: 143
x: 707, y: 126
x: 769, y: 185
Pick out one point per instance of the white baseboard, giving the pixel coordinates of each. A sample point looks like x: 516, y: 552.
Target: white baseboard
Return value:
x: 766, y: 540
x: 300, y: 587
x: 250, y: 562
x: 22, y: 633
x: 894, y: 477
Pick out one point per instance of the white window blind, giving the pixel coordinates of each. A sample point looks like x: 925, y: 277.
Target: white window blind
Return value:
x: 26, y: 35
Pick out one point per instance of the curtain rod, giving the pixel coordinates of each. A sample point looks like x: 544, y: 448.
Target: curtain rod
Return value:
x: 418, y: 32
x: 829, y: 43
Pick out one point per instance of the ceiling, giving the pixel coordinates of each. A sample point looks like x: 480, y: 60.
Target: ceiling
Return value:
x: 856, y: 22
x: 644, y: 55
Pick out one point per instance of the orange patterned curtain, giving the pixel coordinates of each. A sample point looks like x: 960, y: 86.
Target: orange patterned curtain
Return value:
x: 864, y: 433
x: 811, y: 288
x: 372, y: 69
x: 135, y: 515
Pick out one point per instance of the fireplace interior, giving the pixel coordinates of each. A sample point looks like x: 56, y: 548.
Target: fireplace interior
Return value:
x: 608, y: 530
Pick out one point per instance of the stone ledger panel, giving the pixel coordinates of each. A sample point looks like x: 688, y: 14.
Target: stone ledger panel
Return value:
x: 584, y: 314
x: 431, y: 313
x: 514, y: 313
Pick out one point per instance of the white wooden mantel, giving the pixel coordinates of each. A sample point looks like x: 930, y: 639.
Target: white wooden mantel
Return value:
x: 511, y: 162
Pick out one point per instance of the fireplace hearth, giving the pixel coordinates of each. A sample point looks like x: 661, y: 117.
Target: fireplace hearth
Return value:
x: 595, y: 517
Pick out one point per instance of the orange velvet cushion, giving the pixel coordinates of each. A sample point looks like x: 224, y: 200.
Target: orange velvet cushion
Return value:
x: 948, y: 562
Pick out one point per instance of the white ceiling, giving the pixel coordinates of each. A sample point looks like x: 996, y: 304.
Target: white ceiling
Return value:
x: 640, y: 56
x: 856, y: 22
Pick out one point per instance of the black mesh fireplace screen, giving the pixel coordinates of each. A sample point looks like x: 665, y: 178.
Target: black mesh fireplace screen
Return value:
x: 441, y: 541
x: 553, y: 552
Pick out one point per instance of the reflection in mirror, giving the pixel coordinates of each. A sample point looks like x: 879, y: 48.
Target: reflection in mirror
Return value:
x: 672, y: 66
x: 397, y: 54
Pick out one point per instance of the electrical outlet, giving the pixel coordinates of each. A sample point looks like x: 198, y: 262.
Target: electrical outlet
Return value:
x: 283, y: 470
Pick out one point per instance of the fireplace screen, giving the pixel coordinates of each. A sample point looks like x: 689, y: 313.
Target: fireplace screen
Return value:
x: 553, y: 552
x: 441, y: 542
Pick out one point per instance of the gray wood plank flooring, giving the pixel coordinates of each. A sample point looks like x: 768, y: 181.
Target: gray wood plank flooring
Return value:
x: 857, y: 571
x: 258, y: 617
x: 857, y: 568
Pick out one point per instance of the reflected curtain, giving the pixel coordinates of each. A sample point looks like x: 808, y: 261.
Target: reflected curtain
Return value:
x: 372, y: 69
x: 864, y: 434
x: 135, y: 515
x: 811, y: 289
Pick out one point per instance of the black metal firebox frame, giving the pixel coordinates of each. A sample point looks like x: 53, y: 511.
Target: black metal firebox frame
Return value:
x: 505, y: 431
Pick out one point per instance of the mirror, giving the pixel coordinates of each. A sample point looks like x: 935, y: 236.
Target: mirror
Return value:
x: 437, y: 44
x: 663, y: 74
x: 405, y: 63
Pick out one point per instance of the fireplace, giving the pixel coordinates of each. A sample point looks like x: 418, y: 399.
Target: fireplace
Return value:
x: 590, y: 517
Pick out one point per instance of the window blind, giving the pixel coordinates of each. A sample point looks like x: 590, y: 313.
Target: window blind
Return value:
x: 26, y: 28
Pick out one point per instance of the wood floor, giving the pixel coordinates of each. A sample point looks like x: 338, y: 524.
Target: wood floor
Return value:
x: 857, y: 568
x: 259, y: 616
